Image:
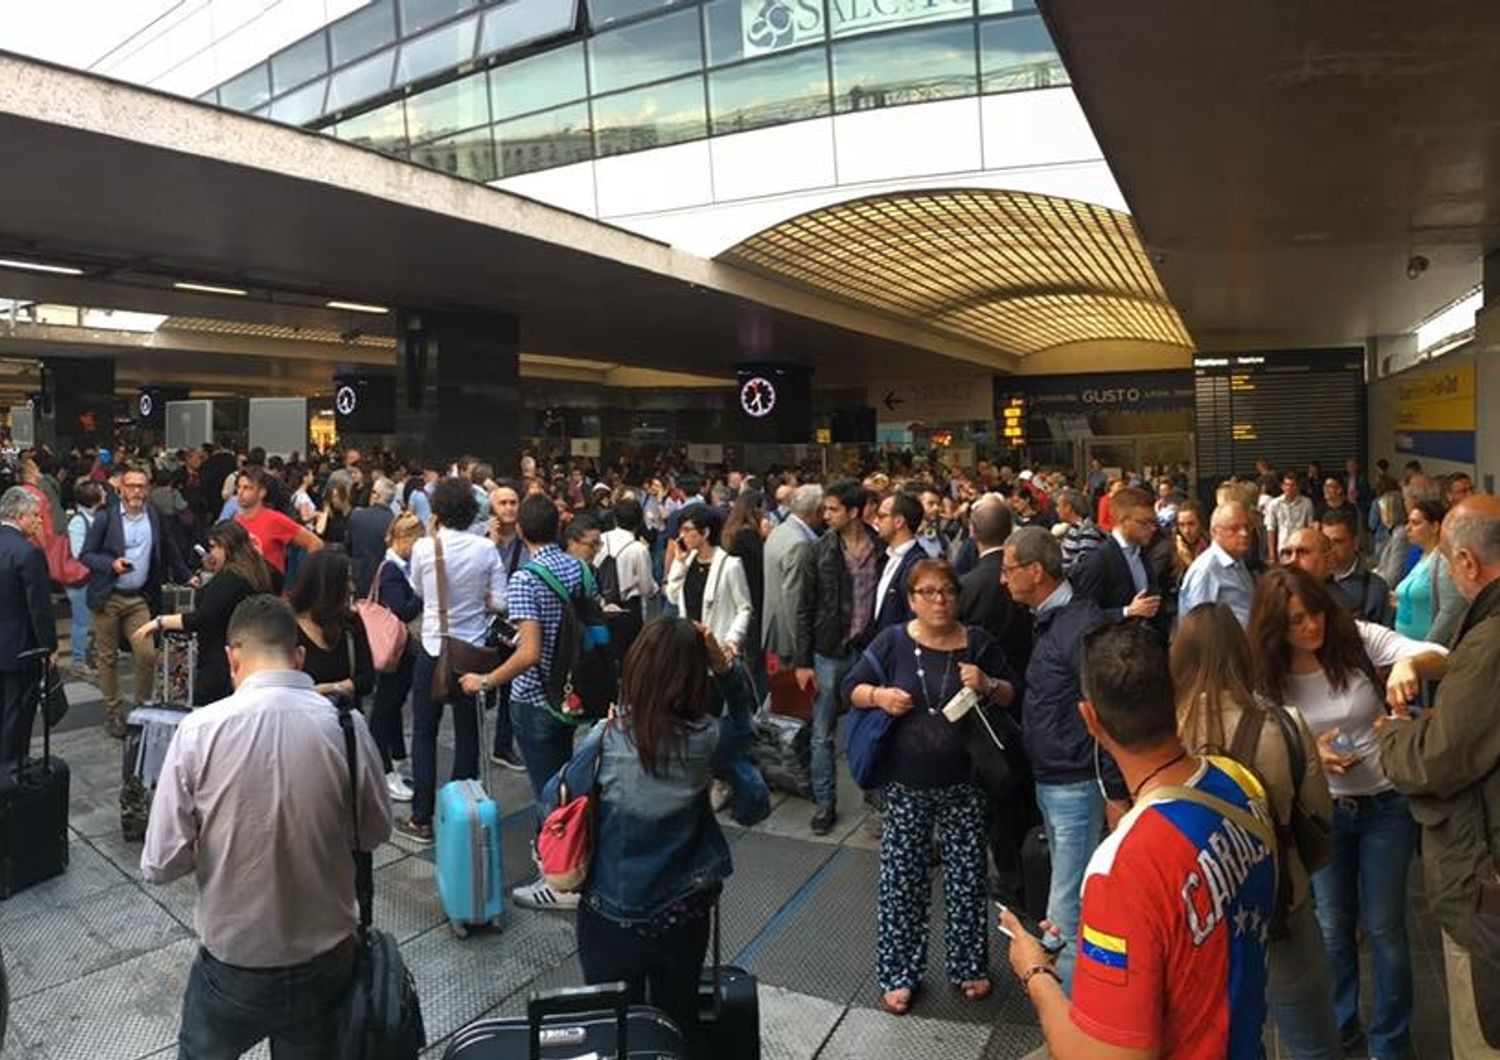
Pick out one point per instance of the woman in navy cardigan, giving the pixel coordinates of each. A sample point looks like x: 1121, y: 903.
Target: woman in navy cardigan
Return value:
x: 393, y: 589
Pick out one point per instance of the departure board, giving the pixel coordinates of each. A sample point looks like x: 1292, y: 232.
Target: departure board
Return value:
x: 1289, y: 406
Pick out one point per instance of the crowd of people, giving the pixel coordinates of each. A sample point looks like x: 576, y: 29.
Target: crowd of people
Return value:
x: 1232, y: 721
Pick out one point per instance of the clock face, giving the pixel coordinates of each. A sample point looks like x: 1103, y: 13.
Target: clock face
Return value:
x: 147, y: 406
x: 345, y: 400
x: 758, y: 396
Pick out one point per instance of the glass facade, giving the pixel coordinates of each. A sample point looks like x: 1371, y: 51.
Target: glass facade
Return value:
x: 493, y: 88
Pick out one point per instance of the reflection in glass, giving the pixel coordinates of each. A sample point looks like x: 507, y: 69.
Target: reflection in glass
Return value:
x: 361, y: 33
x: 247, y: 91
x: 301, y: 106
x: 647, y: 51
x: 461, y: 104
x: 769, y: 92
x: 604, y: 12
x: 442, y: 49
x: 521, y: 22
x: 555, y: 138
x: 361, y: 81
x: 1001, y: 7
x: 539, y: 82
x: 735, y: 30
x: 916, y: 66
x: 384, y: 129
x: 650, y: 117
x: 848, y: 17
x: 417, y: 15
x: 300, y: 63
x: 470, y: 155
x: 1017, y: 54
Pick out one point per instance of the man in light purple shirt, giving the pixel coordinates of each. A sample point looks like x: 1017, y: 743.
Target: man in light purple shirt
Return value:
x: 254, y: 799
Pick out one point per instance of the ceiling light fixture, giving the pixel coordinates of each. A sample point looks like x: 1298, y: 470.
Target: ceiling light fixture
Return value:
x: 358, y: 307
x: 208, y: 288
x: 37, y: 266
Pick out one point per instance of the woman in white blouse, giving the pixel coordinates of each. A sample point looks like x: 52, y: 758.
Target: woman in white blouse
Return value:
x: 707, y: 584
x: 1311, y: 653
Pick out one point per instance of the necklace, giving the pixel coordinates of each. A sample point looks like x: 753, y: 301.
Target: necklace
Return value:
x: 942, y: 684
x: 1159, y: 769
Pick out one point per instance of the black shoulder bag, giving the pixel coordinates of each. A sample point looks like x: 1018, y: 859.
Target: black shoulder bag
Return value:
x: 381, y: 1017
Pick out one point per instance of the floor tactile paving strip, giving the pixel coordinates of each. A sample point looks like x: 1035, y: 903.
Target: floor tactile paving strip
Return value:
x: 406, y: 899
x: 768, y: 871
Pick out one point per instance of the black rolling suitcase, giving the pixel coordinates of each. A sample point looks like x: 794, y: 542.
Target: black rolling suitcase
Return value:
x: 581, y: 1021
x: 1036, y: 872
x: 34, y: 807
x: 729, y: 1009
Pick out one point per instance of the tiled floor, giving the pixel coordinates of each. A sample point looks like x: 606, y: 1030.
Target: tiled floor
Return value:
x: 98, y: 959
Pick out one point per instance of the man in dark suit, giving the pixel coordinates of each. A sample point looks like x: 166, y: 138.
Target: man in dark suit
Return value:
x: 130, y: 556
x: 26, y: 603
x: 896, y: 522
x: 367, y: 527
x: 1117, y: 575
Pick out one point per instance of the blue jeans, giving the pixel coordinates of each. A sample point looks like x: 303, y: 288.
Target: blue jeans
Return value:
x: 1073, y: 815
x: 830, y: 671
x: 226, y: 1009
x: 1299, y: 997
x: 78, y: 634
x: 1365, y: 883
x: 505, y: 735
x: 546, y: 745
x: 426, y: 716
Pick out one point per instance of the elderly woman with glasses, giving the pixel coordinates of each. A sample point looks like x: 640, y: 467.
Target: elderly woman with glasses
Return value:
x: 911, y: 671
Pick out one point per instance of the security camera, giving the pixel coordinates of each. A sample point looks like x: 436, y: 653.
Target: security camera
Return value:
x: 1416, y: 266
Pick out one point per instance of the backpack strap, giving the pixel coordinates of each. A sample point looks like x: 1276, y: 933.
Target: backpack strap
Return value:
x: 549, y: 579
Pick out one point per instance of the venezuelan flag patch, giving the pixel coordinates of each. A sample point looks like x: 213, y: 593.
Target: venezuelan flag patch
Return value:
x: 1106, y: 957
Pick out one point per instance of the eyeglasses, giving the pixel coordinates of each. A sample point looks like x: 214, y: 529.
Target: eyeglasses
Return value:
x: 1008, y: 568
x: 930, y: 592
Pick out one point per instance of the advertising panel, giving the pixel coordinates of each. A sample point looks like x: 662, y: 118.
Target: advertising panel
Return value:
x: 1435, y: 414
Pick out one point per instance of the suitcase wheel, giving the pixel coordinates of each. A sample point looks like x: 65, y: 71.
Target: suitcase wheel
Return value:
x: 459, y: 928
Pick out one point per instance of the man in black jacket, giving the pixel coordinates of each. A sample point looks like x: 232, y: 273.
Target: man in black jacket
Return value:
x: 26, y: 603
x: 1118, y: 576
x: 367, y: 527
x: 833, y: 610
x: 1362, y: 589
x: 130, y: 556
x: 896, y: 521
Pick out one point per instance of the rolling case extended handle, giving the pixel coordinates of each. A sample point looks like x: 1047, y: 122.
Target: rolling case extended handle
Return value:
x: 43, y: 659
x: 575, y: 1000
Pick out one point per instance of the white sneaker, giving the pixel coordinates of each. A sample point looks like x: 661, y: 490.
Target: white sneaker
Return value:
x: 396, y: 784
x: 539, y: 896
x: 719, y: 795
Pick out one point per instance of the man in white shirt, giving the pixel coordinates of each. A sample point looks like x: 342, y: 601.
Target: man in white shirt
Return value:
x: 1288, y: 513
x: 1219, y: 575
x: 254, y: 798
x: 632, y: 557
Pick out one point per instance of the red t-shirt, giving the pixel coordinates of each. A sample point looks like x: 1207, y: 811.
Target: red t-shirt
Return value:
x: 1177, y: 907
x: 270, y: 532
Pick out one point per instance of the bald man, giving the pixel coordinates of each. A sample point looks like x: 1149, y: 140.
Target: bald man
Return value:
x: 1306, y: 548
x: 1219, y: 575
x: 1448, y: 762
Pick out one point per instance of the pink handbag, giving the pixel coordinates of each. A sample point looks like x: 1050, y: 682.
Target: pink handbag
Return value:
x: 386, y: 633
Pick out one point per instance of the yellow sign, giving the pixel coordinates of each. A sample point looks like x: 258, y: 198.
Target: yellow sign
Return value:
x: 1437, y: 400
x: 824, y: 436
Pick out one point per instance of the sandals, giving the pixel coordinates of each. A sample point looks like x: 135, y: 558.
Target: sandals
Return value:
x: 976, y: 989
x: 899, y: 1006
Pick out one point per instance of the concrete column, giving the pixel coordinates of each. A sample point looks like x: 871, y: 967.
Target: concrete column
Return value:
x: 458, y: 387
x: 78, y: 404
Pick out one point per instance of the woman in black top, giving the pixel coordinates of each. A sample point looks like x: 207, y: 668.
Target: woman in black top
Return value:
x: 744, y: 538
x: 331, y: 634
x: 333, y: 520
x: 238, y: 571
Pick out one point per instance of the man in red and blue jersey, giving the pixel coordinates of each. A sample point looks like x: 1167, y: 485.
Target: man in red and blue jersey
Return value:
x: 1177, y: 902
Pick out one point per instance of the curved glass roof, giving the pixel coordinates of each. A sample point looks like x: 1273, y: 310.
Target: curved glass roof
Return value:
x: 1013, y: 270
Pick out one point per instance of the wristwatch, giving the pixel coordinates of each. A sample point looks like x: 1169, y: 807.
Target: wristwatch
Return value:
x: 484, y: 683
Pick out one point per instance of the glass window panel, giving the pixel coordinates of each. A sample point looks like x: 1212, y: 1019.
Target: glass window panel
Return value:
x: 525, y: 22
x: 383, y: 129
x: 417, y: 15
x: 650, y: 117
x: 461, y: 104
x: 442, y: 49
x: 539, y: 82
x: 361, y: 81
x: 299, y: 64
x: 470, y: 155
x: 736, y: 30
x: 556, y: 138
x: 646, y: 51
x: 249, y: 90
x: 211, y: 96
x: 848, y: 17
x: 1017, y: 54
x: 770, y: 91
x: 1002, y: 7
x: 301, y: 106
x: 365, y: 31
x: 604, y: 12
x: 912, y: 67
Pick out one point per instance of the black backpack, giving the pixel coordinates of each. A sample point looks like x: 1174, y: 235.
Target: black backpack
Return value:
x: 582, y: 682
x: 608, y: 574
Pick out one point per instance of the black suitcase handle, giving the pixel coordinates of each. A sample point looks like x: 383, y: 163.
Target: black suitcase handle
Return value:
x: 43, y: 658
x: 577, y: 1000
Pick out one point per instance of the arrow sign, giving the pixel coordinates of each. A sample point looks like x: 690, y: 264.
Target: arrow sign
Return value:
x: 891, y: 400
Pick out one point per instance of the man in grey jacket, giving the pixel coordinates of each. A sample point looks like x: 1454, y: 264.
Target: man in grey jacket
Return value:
x: 784, y: 569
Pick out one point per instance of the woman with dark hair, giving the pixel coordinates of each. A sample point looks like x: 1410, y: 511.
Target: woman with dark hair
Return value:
x: 1428, y: 604
x: 744, y: 539
x: 333, y: 520
x: 237, y: 572
x: 706, y: 584
x: 911, y: 671
x: 1311, y: 653
x: 659, y: 857
x: 337, y: 652
x: 1219, y: 714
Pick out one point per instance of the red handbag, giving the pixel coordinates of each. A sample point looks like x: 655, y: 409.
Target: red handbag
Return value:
x: 565, y: 844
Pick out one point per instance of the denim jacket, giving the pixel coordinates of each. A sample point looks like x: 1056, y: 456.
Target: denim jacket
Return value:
x: 655, y: 838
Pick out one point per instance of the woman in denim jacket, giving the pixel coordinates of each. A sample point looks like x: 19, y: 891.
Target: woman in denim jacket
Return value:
x: 659, y: 856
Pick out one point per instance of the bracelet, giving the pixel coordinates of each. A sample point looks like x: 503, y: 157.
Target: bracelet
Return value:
x: 1039, y: 969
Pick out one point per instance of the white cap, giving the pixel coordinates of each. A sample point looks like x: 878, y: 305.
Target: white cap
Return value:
x: 1026, y: 475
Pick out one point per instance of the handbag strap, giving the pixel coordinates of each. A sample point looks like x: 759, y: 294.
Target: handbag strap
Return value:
x: 441, y: 572
x: 1246, y: 820
x: 562, y: 787
x: 364, y: 873
x: 1296, y: 752
x: 372, y: 595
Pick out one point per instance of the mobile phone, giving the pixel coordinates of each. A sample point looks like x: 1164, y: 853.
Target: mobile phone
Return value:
x: 129, y: 566
x: 1052, y: 941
